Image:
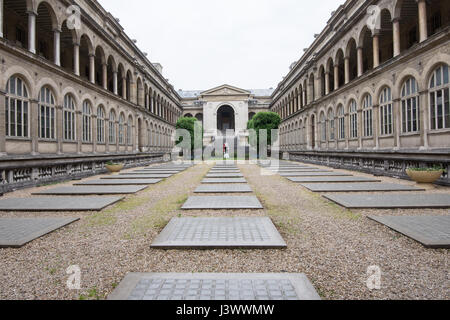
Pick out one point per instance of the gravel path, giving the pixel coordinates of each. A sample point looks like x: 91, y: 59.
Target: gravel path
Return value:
x: 333, y: 246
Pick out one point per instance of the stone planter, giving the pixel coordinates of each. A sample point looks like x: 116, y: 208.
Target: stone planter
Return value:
x: 424, y: 176
x: 113, y: 168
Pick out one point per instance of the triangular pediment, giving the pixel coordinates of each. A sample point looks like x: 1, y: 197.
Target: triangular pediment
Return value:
x: 225, y: 90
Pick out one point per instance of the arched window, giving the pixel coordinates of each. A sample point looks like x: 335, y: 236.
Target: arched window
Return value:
x: 353, y: 119
x: 121, y: 129
x: 16, y: 108
x: 46, y: 114
x: 410, y: 106
x: 341, y: 122
x: 69, y: 118
x: 386, y: 111
x: 368, y: 116
x: 100, y: 124
x: 323, y: 124
x: 112, y: 127
x: 87, y: 125
x: 129, y: 133
x: 439, y: 99
x: 331, y: 125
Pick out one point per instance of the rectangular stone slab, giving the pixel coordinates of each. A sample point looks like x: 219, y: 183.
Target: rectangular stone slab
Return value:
x: 158, y: 171
x: 57, y: 203
x: 300, y: 173
x: 223, y: 188
x: 357, y: 187
x: 91, y: 190
x: 219, y: 233
x: 118, y: 182
x: 391, y: 200
x: 222, y: 202
x: 16, y: 232
x: 156, y: 175
x: 224, y: 180
x: 430, y: 231
x: 133, y: 176
x: 224, y: 175
x: 322, y: 174
x: 215, y: 286
x: 331, y: 179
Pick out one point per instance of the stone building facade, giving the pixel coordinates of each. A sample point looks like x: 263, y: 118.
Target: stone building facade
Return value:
x: 372, y: 91
x: 225, y: 110
x: 76, y: 93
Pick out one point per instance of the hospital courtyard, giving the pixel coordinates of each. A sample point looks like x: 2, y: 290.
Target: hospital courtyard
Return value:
x: 339, y: 217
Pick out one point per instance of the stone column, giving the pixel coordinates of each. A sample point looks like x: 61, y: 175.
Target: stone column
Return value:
x: 116, y: 125
x: 124, y: 88
x: 92, y: 68
x: 347, y: 69
x: 133, y: 92
x: 423, y: 31
x: 376, y: 50
x: 76, y: 58
x: 336, y: 76
x: 79, y: 130
x: 317, y: 88
x: 396, y: 36
x: 2, y: 123
x: 32, y: 31
x: 57, y: 46
x: 327, y: 83
x: 376, y: 125
x: 59, y: 129
x: 34, y: 126
x: 94, y: 133
x: 360, y: 128
x: 105, y: 76
x: 1, y: 20
x: 360, y: 61
x: 424, y: 121
x: 304, y: 98
x: 397, y: 125
x: 107, y: 134
x: 115, y: 83
x: 347, y: 129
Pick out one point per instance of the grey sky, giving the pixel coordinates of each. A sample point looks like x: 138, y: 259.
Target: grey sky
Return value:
x: 205, y: 43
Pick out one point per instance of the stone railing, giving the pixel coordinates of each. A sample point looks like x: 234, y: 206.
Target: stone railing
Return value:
x: 382, y: 164
x: 22, y: 172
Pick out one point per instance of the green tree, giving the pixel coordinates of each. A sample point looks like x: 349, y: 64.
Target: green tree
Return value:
x: 187, y: 124
x: 267, y: 121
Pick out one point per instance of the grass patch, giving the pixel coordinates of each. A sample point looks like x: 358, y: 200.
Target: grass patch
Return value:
x: 157, y: 218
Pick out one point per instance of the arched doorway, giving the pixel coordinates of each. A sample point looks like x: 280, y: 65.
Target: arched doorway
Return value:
x: 313, y: 132
x: 225, y: 119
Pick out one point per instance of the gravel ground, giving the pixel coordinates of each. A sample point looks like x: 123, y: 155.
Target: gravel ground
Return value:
x: 332, y: 245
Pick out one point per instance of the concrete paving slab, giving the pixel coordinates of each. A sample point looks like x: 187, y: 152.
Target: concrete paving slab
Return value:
x: 57, y: 203
x: 118, y: 182
x: 430, y: 231
x: 158, y: 171
x: 223, y: 188
x: 222, y: 202
x: 214, y: 286
x: 224, y: 175
x: 16, y: 232
x: 135, y: 176
x: 224, y: 180
x: 219, y: 233
x: 92, y: 190
x: 322, y: 174
x: 391, y: 200
x: 156, y: 175
x: 331, y: 179
x: 300, y: 172
x: 358, y: 187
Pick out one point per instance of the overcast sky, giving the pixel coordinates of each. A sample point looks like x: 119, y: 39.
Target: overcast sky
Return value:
x: 205, y: 43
